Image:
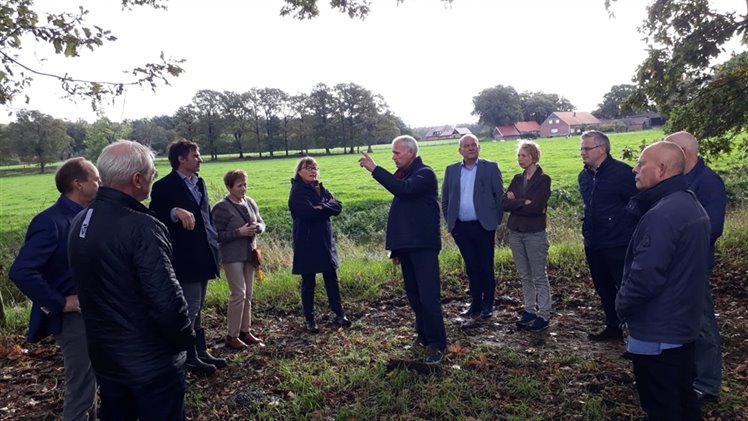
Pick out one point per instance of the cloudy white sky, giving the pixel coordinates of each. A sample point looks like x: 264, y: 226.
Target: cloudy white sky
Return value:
x: 427, y: 59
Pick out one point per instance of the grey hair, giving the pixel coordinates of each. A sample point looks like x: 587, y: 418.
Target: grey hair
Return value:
x: 407, y: 141
x: 599, y: 138
x: 119, y: 161
x: 469, y: 136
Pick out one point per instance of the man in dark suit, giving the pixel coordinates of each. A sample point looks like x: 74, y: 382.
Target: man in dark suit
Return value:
x: 180, y: 201
x: 471, y: 203
x: 414, y: 238
x: 41, y: 271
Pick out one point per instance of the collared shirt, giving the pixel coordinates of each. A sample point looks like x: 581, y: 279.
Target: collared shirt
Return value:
x: 467, y: 187
x: 191, y: 182
x: 636, y: 346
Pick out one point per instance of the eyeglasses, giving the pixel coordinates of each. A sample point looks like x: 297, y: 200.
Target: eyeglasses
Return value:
x: 310, y: 168
x: 587, y: 149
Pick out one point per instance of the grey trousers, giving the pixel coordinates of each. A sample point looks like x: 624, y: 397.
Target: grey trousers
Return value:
x: 530, y: 252
x: 240, y: 276
x: 194, y: 294
x: 80, y: 380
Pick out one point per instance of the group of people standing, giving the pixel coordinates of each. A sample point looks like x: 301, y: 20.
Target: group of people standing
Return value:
x: 140, y: 274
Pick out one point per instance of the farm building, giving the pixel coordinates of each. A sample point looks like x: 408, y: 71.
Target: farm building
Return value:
x: 446, y: 132
x: 566, y: 123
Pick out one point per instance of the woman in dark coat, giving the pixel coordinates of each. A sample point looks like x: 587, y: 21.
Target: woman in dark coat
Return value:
x: 314, y: 249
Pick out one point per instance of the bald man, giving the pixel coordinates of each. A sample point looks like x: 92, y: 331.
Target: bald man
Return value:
x: 710, y: 191
x: 663, y: 281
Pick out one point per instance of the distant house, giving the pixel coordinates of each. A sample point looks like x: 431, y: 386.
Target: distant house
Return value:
x: 506, y: 132
x: 633, y: 122
x: 528, y: 127
x: 566, y: 123
x: 446, y: 132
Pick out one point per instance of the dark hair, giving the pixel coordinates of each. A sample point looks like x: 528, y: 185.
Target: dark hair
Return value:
x: 73, y: 169
x: 230, y: 178
x: 180, y: 149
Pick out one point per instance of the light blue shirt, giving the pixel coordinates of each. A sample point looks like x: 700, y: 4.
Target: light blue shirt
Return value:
x: 467, y: 186
x: 636, y: 346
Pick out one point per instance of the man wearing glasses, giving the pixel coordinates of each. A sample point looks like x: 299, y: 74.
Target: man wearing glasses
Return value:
x: 606, y: 185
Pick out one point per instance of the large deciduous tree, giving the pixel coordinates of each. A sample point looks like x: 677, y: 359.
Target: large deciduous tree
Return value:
x: 537, y: 106
x: 270, y: 101
x: 238, y: 117
x: 38, y: 138
x: 497, y: 106
x: 104, y: 132
x: 322, y: 104
x: 207, y: 105
x: 684, y: 37
x: 612, y: 101
x: 22, y: 26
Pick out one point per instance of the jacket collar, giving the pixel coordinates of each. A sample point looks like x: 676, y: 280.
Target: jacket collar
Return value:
x: 647, y: 198
x: 68, y: 204
x: 108, y: 194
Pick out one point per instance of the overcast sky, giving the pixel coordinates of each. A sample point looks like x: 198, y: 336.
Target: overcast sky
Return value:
x: 426, y: 59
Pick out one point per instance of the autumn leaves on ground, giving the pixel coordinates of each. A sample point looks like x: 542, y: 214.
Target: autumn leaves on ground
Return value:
x: 492, y: 370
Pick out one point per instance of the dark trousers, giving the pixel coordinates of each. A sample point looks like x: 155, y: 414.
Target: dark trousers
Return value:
x: 664, y: 384
x: 423, y: 288
x: 606, y: 268
x: 309, y: 282
x: 477, y: 248
x: 160, y: 400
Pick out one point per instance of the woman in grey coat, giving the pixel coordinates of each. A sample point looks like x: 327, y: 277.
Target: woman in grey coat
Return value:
x: 238, y: 222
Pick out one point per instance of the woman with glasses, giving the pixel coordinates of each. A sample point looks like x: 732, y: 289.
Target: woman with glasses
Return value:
x: 314, y: 248
x: 526, y: 199
x: 238, y: 222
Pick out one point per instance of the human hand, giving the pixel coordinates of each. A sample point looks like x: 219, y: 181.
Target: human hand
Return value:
x: 72, y: 305
x: 510, y: 195
x: 186, y: 218
x: 366, y: 162
x: 395, y: 260
x: 248, y: 230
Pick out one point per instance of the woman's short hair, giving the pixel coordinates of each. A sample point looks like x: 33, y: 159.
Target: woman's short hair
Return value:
x: 532, y: 148
x: 232, y: 176
x: 303, y: 162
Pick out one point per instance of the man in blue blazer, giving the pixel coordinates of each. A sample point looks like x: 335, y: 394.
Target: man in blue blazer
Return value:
x: 471, y: 204
x: 41, y: 271
x: 180, y: 201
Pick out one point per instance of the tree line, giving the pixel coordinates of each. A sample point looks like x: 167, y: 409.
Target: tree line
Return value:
x: 264, y: 121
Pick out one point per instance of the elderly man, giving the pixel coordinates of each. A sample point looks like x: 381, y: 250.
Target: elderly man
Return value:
x: 661, y: 294
x: 471, y: 204
x: 710, y: 190
x: 606, y: 186
x: 41, y: 272
x: 414, y: 238
x: 133, y: 307
x: 180, y: 201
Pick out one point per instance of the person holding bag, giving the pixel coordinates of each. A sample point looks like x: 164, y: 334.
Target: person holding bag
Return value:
x: 238, y: 223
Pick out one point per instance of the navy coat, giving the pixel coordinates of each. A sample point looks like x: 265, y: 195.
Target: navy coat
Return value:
x: 314, y: 248
x: 41, y: 269
x: 195, y: 258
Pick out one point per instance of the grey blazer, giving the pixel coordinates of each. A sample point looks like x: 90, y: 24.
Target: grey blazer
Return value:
x: 487, y: 194
x: 228, y: 220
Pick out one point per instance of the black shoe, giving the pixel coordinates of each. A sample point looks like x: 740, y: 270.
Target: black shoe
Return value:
x: 202, y: 351
x: 198, y: 367
x: 342, y: 321
x: 486, y: 314
x: 704, y: 397
x: 418, y: 342
x: 525, y: 319
x: 470, y: 313
x: 433, y: 356
x: 607, y: 334
x: 311, y: 326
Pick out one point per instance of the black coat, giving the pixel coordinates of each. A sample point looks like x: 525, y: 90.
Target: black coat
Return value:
x: 413, y: 222
x: 314, y: 248
x: 134, y: 310
x: 195, y: 258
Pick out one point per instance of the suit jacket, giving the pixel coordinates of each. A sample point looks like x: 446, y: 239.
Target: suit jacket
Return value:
x: 487, y: 194
x: 41, y: 270
x: 196, y: 259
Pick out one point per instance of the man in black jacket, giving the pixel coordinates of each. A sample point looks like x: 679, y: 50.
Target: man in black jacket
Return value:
x: 180, y: 201
x: 414, y: 238
x: 132, y: 305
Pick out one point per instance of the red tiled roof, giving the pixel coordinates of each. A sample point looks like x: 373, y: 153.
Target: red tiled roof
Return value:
x: 507, y: 131
x: 576, y: 118
x: 527, y: 126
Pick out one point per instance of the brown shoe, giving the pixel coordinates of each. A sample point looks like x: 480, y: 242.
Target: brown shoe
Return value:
x: 250, y: 339
x: 235, y: 343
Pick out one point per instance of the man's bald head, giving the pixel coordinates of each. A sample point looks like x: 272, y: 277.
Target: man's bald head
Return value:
x: 690, y: 147
x: 658, y: 162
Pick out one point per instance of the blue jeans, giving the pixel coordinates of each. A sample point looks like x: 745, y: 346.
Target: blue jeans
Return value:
x: 160, y: 400
x: 530, y: 252
x: 708, y: 356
